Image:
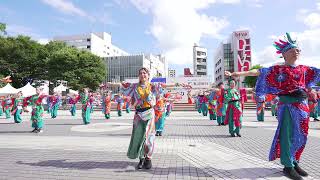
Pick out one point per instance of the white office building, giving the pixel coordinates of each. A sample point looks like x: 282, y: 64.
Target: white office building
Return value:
x: 199, y: 60
x: 99, y: 44
x: 121, y: 68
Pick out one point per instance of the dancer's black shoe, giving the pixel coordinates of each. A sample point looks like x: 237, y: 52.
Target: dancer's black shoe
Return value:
x: 140, y: 165
x: 147, y: 164
x: 299, y: 170
x: 291, y: 173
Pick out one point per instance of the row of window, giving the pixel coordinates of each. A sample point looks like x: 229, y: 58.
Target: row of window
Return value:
x: 123, y: 69
x: 217, y: 64
x: 201, y: 73
x: 219, y: 78
x: 229, y: 68
x: 218, y: 70
x: 201, y: 60
x: 199, y: 53
x: 199, y: 67
x: 228, y: 55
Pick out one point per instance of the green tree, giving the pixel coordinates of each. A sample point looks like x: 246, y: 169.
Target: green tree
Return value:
x: 251, y: 80
x: 3, y: 28
x: 2, y: 84
x: 80, y: 68
x: 22, y: 58
x: 53, y: 46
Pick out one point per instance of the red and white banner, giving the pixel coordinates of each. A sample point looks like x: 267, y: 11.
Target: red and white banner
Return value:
x: 243, y: 49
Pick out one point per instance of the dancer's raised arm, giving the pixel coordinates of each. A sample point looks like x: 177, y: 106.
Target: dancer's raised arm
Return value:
x: 253, y: 72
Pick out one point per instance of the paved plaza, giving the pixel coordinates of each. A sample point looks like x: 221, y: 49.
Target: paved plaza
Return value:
x: 192, y: 147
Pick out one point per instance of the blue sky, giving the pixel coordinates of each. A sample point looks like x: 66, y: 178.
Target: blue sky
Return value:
x: 172, y: 26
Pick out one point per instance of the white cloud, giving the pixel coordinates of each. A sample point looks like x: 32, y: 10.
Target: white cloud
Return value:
x: 64, y: 20
x: 178, y: 24
x: 121, y: 3
x: 43, y: 41
x: 310, y: 17
x: 242, y: 28
x: 308, y: 42
x: 104, y: 18
x: 310, y: 61
x: 14, y: 30
x: 255, y: 3
x: 266, y: 57
x: 142, y: 5
x: 312, y: 20
x: 67, y: 7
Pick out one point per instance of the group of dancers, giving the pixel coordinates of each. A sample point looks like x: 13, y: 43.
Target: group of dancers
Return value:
x: 292, y: 100
x: 217, y: 101
x: 17, y: 104
x: 223, y: 105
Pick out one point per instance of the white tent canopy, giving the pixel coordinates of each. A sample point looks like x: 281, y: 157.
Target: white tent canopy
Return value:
x: 73, y: 92
x: 27, y: 90
x: 59, y: 89
x: 8, y: 89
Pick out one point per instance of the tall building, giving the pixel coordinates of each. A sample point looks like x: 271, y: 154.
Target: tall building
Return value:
x: 120, y: 68
x: 187, y: 72
x: 99, y: 44
x: 233, y: 55
x: 171, y: 73
x: 199, y: 60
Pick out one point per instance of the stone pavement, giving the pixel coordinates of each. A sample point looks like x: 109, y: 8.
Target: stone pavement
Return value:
x: 192, y: 148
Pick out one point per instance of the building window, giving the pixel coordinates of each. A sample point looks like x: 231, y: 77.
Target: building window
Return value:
x: 108, y: 48
x: 199, y: 67
x: 88, y: 40
x: 88, y: 47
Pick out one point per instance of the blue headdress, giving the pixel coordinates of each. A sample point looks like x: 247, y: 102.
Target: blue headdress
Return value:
x: 284, y: 46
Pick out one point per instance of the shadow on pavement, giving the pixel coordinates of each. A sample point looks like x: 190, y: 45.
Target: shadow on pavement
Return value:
x: 200, y: 135
x: 123, y: 135
x: 65, y: 124
x: 209, y: 125
x: 118, y: 166
x: 127, y: 166
x: 9, y: 123
x: 255, y: 173
x: 14, y: 132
